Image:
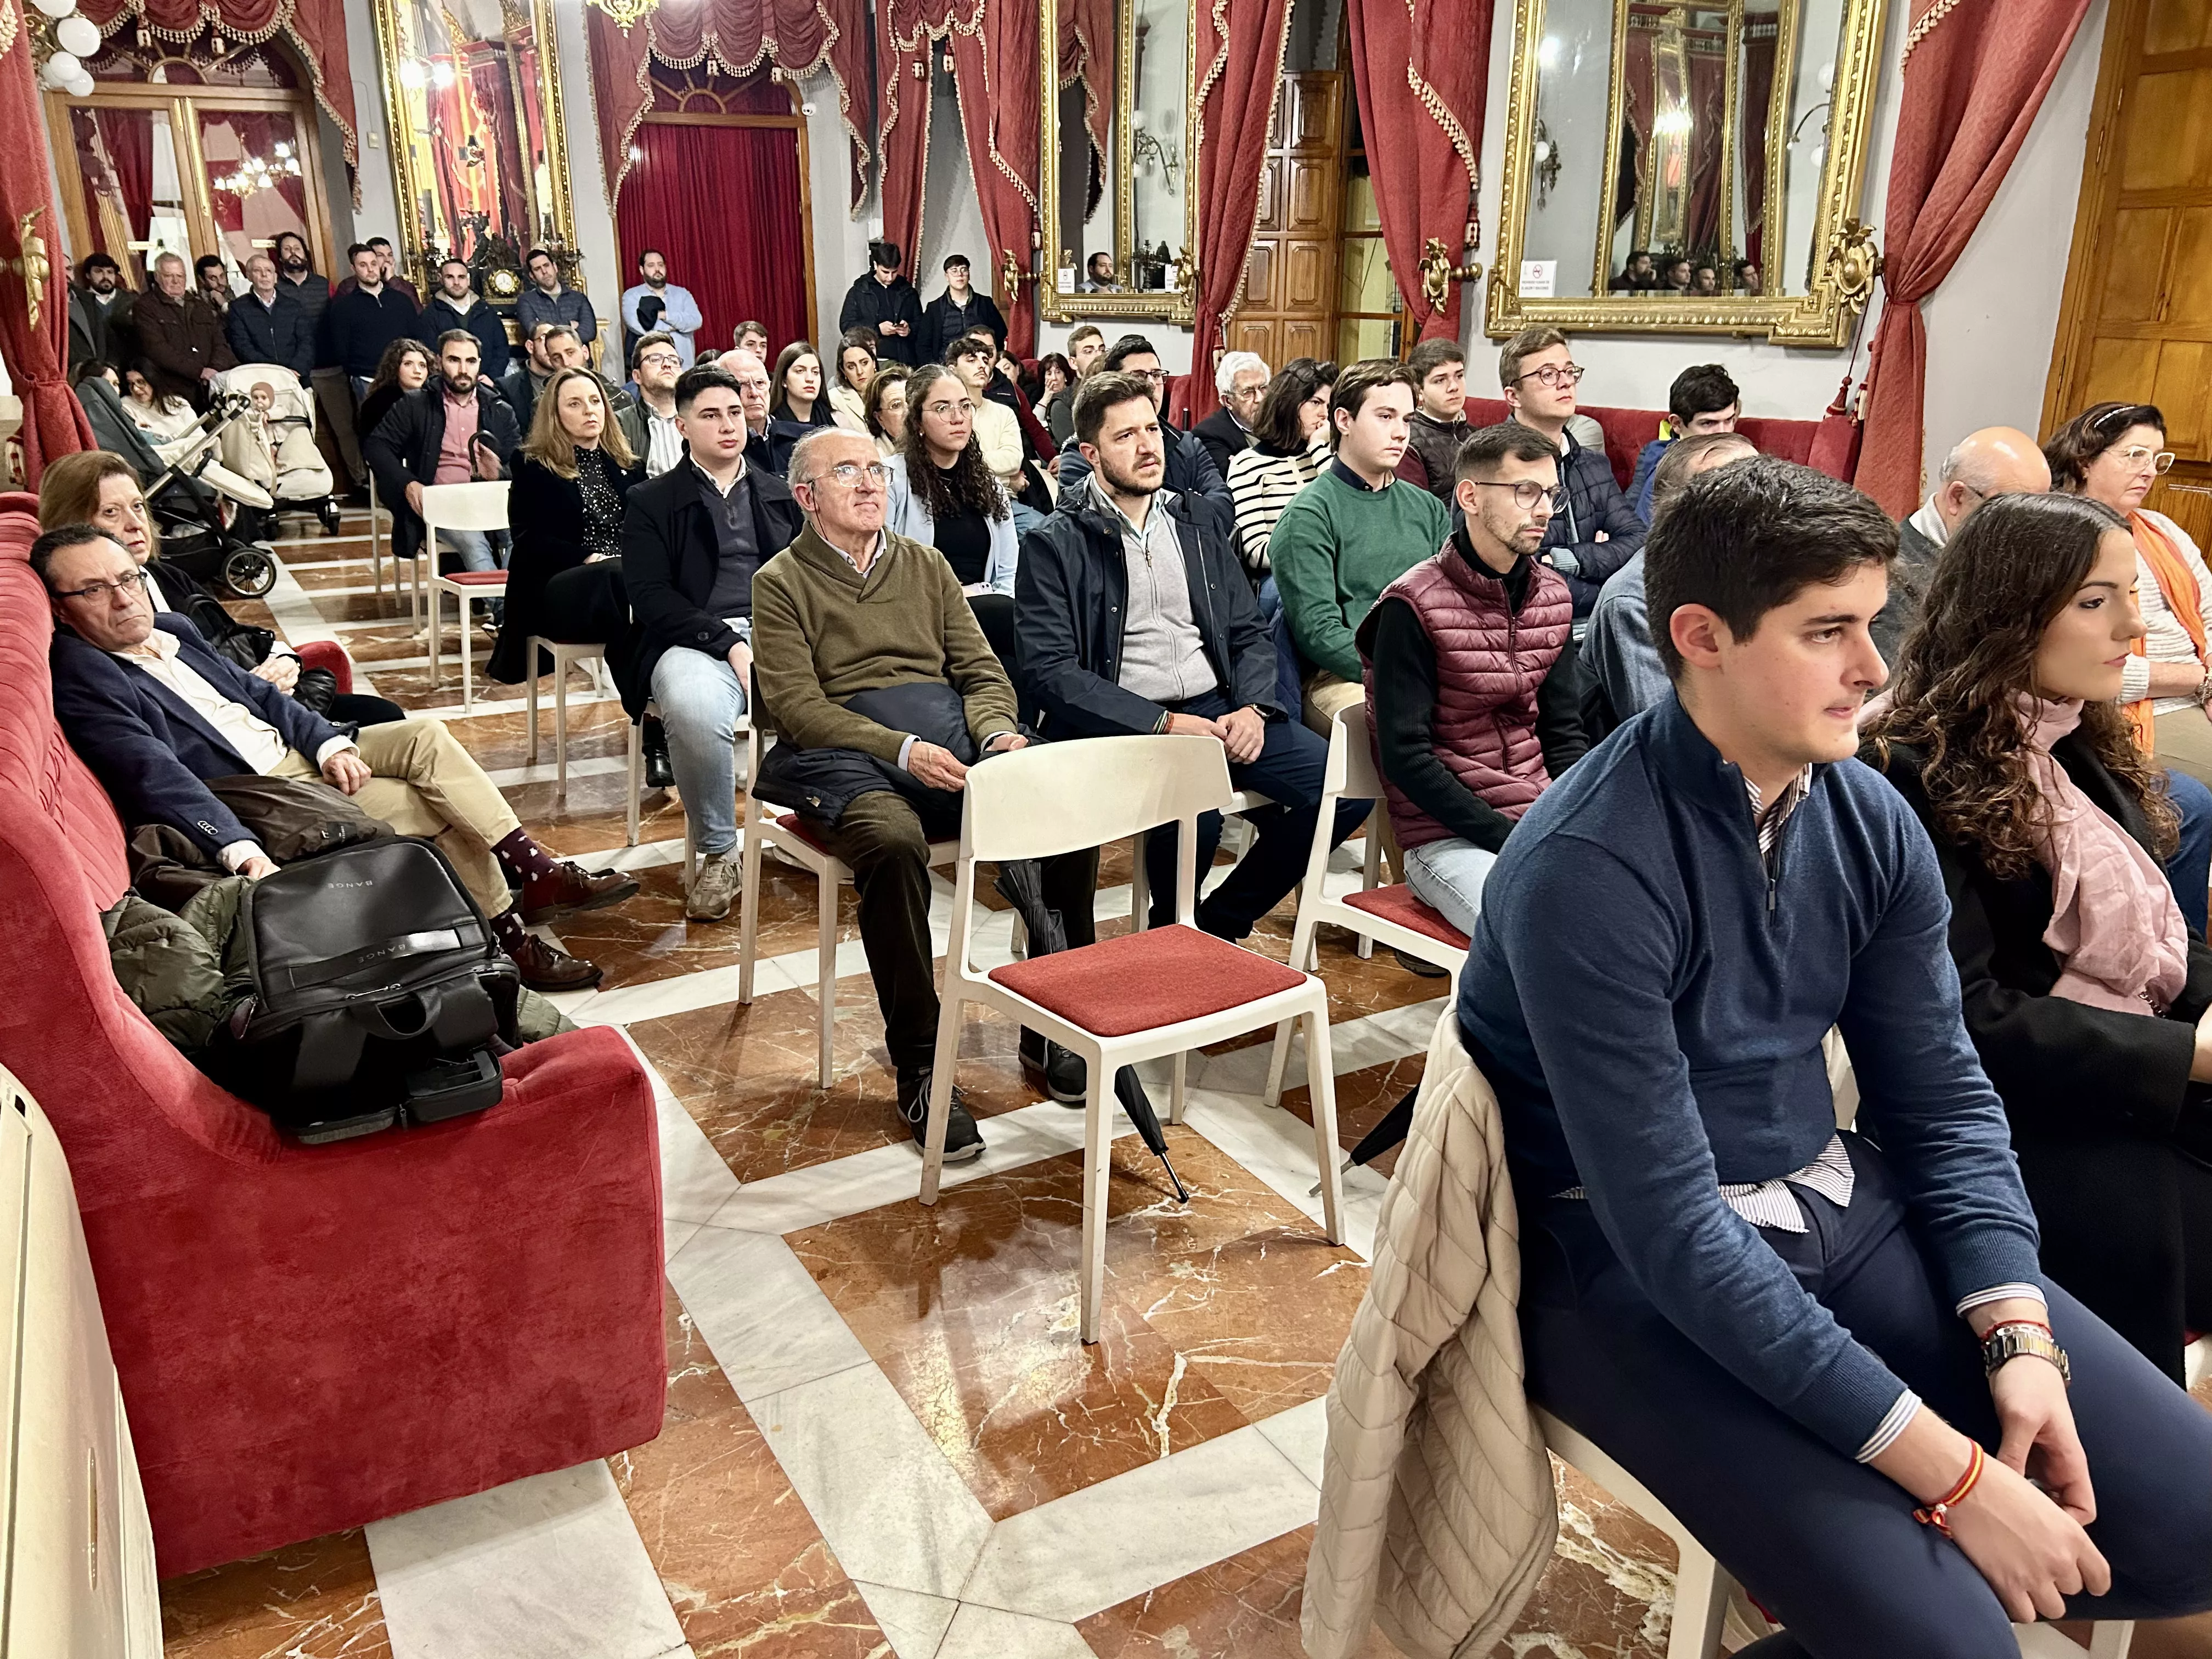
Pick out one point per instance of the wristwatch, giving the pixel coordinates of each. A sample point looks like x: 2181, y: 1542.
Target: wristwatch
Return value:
x: 2006, y: 1342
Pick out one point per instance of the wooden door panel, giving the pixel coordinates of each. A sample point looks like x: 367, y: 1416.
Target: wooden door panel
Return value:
x: 1285, y: 111
x: 2176, y: 26
x: 1261, y: 272
x: 2188, y: 269
x: 1270, y: 197
x: 2135, y: 276
x: 1316, y: 126
x: 1288, y: 295
x: 1304, y: 339
x: 1312, y: 189
x: 2180, y: 390
x: 1306, y: 275
x: 2167, y: 131
x: 1256, y: 336
x: 2119, y: 369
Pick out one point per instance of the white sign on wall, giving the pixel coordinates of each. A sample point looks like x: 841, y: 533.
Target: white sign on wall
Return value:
x: 1537, y: 278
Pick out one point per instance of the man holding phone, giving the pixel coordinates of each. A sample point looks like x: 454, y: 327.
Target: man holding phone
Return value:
x: 455, y: 429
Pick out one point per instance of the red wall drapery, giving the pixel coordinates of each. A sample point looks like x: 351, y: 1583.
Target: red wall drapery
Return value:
x: 127, y: 136
x: 1422, y: 70
x: 1240, y: 53
x: 733, y: 38
x: 1708, y: 109
x: 316, y: 29
x: 1087, y: 54
x: 1973, y: 81
x: 53, y: 424
x: 1759, y: 41
x: 719, y: 202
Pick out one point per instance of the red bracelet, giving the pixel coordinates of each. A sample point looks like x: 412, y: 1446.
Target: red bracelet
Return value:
x: 1938, y: 1514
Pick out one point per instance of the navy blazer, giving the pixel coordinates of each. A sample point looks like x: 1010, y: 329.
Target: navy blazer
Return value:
x: 148, y: 749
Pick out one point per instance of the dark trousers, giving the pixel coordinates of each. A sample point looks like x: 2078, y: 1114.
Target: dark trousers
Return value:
x: 994, y: 615
x: 587, y: 604
x: 1290, y: 770
x: 2127, y: 1226
x: 1827, y: 1544
x: 2190, y: 869
x: 881, y: 837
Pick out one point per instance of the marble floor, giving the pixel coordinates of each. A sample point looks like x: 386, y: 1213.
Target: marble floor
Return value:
x: 882, y: 1436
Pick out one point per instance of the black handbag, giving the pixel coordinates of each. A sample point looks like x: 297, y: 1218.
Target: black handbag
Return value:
x: 372, y: 994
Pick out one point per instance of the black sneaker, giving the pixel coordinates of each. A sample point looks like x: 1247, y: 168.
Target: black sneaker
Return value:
x: 962, y: 1140
x: 1061, y: 1073
x: 1413, y: 964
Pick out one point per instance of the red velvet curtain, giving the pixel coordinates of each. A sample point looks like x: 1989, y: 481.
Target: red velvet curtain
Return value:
x: 1760, y: 41
x: 1972, y: 85
x: 1239, y: 54
x: 315, y: 29
x: 1087, y: 54
x: 721, y: 202
x: 494, y: 95
x: 733, y: 38
x: 127, y: 136
x: 53, y: 424
x: 1708, y: 107
x: 1422, y: 72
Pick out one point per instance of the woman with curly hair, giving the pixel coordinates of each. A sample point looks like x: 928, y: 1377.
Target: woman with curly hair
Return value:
x: 944, y: 495
x: 2086, y: 994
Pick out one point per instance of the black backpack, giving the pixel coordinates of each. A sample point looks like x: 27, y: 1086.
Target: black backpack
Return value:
x: 372, y: 994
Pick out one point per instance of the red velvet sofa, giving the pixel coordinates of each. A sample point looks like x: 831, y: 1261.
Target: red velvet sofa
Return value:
x: 1627, y: 430
x: 312, y: 1338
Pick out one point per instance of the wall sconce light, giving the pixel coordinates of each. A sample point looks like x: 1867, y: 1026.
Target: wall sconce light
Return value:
x: 1546, y: 153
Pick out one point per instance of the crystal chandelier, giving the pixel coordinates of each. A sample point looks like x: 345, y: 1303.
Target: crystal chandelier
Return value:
x: 255, y: 173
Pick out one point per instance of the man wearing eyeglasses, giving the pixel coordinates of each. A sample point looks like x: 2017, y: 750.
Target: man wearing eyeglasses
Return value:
x: 1993, y: 461
x: 692, y: 540
x: 882, y: 691
x: 1596, y: 531
x: 650, y: 422
x: 1474, y: 690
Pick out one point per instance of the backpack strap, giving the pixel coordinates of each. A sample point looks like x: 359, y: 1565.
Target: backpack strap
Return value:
x: 324, y: 969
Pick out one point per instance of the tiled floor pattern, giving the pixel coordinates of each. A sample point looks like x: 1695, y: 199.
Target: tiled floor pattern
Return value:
x: 882, y: 1437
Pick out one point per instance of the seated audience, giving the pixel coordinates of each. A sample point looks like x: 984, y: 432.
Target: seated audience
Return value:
x: 1055, y: 375
x: 266, y: 325
x: 854, y: 621
x: 883, y: 300
x: 2084, y: 992
x: 1993, y: 461
x: 753, y: 337
x: 649, y: 426
x: 1677, y: 276
x: 1745, y: 276
x: 959, y: 310
x: 1290, y: 449
x: 1771, y: 1325
x: 405, y: 367
x: 1705, y: 279
x: 100, y: 489
x: 1135, y: 617
x: 1438, y: 425
x: 856, y: 368
x: 1596, y: 532
x: 1086, y: 348
x: 1191, y: 471
x: 691, y: 541
x: 1635, y: 273
x: 527, y: 376
x: 885, y: 409
x: 751, y: 373
x: 1703, y: 399
x: 801, y: 403
x: 998, y: 431
x: 455, y: 430
x: 1474, y: 693
x: 1352, y: 532
x: 163, y: 417
x: 943, y: 496
x: 566, y: 349
x: 2113, y: 453
x: 1619, y: 649
x: 1241, y: 380
x: 572, y: 475
x: 155, y: 713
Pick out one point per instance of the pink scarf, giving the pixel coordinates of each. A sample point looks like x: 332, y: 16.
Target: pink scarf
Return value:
x: 2113, y: 921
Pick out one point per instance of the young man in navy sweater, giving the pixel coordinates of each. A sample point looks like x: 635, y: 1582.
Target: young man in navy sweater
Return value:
x: 1801, y: 1340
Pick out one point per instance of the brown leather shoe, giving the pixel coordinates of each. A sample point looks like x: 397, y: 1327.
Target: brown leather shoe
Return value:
x: 548, y: 968
x: 569, y: 888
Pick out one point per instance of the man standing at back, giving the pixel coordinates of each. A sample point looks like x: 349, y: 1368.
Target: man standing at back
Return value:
x: 886, y: 301
x: 1595, y: 532
x: 545, y: 300
x: 1352, y: 531
x: 1438, y: 426
x: 959, y: 310
x: 675, y: 312
x: 265, y: 324
x: 366, y: 319
x: 99, y: 314
x: 179, y: 334
x: 457, y: 305
x: 387, y: 272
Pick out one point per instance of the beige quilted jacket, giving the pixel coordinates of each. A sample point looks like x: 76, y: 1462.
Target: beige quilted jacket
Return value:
x: 1437, y: 1510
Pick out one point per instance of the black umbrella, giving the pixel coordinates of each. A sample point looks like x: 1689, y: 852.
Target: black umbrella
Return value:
x: 1020, y: 882
x: 1384, y: 1135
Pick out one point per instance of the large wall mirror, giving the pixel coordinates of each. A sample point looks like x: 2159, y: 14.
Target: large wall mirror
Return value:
x: 476, y: 144
x: 1120, y: 159
x: 1688, y: 165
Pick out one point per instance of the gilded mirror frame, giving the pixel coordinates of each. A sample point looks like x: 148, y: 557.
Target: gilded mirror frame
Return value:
x: 1823, y: 316
x: 1179, y: 305
x: 409, y: 179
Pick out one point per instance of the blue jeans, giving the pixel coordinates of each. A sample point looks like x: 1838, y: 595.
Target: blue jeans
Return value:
x: 2190, y: 869
x: 1447, y: 876
x: 701, y: 703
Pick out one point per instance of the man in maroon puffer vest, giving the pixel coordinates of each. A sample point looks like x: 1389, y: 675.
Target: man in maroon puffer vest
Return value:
x: 1474, y: 692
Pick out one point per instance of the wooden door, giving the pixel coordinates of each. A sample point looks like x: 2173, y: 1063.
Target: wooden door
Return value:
x: 2136, y: 321
x: 1286, y: 309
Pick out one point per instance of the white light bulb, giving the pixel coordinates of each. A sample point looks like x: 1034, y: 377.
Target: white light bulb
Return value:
x: 62, y: 69
x: 412, y: 75
x: 441, y: 73
x: 78, y: 36
x: 56, y: 8
x: 81, y: 87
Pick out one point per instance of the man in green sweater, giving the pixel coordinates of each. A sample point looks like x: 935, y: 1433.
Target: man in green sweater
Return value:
x: 865, y: 650
x: 1352, y: 531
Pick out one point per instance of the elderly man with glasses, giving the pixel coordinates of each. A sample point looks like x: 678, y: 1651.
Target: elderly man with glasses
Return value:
x: 1596, y: 531
x: 692, y: 540
x: 1241, y: 378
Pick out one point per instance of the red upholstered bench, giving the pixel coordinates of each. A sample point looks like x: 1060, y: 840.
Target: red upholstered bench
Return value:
x: 1627, y: 430
x: 312, y: 1338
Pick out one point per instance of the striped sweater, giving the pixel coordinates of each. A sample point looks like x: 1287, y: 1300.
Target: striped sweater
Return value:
x: 1263, y: 485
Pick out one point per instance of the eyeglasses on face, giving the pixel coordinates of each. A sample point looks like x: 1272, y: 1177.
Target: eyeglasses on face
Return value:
x: 849, y: 473
x: 660, y: 359
x: 1554, y: 374
x: 2139, y: 459
x: 99, y: 590
x: 943, y: 408
x: 1156, y: 376
x: 1526, y: 492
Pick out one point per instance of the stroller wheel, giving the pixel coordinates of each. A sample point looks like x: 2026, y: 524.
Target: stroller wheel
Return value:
x: 249, y: 573
x: 328, y: 512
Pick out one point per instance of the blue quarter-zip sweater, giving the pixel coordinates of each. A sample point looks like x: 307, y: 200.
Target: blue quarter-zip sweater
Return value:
x: 1648, y: 996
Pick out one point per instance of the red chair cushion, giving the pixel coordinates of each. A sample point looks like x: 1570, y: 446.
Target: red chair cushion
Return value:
x: 1140, y: 981
x: 475, y: 578
x: 328, y: 654
x: 799, y: 827
x: 1397, y: 903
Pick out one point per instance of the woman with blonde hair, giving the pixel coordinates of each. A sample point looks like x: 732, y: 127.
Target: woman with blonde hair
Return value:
x: 572, y: 475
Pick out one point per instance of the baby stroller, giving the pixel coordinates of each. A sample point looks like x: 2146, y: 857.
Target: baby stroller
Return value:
x: 208, y: 514
x: 273, y: 443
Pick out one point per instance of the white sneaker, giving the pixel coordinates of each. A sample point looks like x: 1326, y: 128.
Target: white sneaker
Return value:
x: 714, y: 888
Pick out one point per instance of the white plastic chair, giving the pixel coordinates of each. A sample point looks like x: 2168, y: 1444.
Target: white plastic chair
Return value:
x: 479, y: 506
x: 1240, y: 802
x: 1059, y: 797
x: 762, y: 826
x: 594, y: 658
x: 1389, y: 914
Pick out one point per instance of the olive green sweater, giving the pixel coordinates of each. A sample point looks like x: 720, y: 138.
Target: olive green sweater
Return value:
x: 823, y: 633
x: 1336, y: 548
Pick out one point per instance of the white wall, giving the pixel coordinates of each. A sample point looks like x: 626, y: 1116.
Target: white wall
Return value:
x: 1991, y: 325
x: 951, y: 213
x: 840, y: 240
x: 379, y: 212
x: 594, y: 220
